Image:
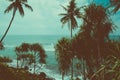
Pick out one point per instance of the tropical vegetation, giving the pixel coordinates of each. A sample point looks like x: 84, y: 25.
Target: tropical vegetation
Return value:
x: 72, y: 13
x: 32, y: 53
x: 92, y: 43
x: 91, y: 51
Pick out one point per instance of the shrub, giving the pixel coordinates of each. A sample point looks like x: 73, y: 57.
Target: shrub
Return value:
x: 5, y: 59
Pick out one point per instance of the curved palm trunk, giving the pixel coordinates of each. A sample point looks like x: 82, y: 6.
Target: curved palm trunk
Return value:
x: 8, y: 26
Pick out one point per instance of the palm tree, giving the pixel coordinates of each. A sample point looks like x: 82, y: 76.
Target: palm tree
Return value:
x: 80, y: 48
x: 63, y: 56
x: 96, y: 26
x: 90, y: 43
x: 72, y: 12
x: 15, y: 5
x: 115, y: 4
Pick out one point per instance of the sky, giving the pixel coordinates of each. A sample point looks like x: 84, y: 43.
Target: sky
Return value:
x: 44, y: 20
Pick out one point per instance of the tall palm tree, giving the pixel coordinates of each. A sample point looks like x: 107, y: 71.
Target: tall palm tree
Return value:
x: 115, y: 4
x: 63, y: 56
x: 15, y: 5
x: 72, y: 12
x: 97, y: 27
x: 90, y: 43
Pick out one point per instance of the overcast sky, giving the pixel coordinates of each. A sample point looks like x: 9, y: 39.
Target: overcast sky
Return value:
x: 43, y: 20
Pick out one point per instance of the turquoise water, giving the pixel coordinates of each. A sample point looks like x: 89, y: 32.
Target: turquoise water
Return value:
x: 47, y: 41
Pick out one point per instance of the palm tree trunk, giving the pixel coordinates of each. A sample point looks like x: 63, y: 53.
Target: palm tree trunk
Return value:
x: 62, y: 75
x: 8, y: 26
x: 71, y: 31
x: 99, y: 60
x: 72, y: 58
x: 72, y: 69
x: 84, y: 74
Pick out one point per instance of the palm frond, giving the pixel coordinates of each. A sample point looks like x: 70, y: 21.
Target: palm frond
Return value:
x: 64, y: 7
x: 64, y: 20
x: 9, y: 8
x: 77, y: 13
x: 24, y: 1
x: 63, y: 14
x: 116, y: 8
x: 20, y: 8
x: 74, y: 23
x: 11, y: 0
x: 73, y: 11
x: 114, y: 2
x: 28, y: 6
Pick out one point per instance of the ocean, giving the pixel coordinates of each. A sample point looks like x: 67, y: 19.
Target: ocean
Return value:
x: 47, y: 41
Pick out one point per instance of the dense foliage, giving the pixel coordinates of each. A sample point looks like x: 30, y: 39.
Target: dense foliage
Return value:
x: 5, y: 59
x: 98, y: 55
x: 14, y: 74
x: 92, y: 45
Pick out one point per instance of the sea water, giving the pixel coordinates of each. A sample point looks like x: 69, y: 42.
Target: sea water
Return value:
x: 47, y: 41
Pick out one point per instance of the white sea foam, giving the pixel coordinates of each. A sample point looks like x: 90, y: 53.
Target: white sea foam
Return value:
x: 13, y: 63
x: 9, y: 46
x: 49, y: 47
x: 49, y: 72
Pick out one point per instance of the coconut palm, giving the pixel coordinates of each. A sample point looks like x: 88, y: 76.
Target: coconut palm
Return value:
x: 81, y: 48
x: 72, y: 12
x: 115, y: 4
x: 63, y: 56
x: 98, y: 26
x: 90, y: 43
x: 15, y: 5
